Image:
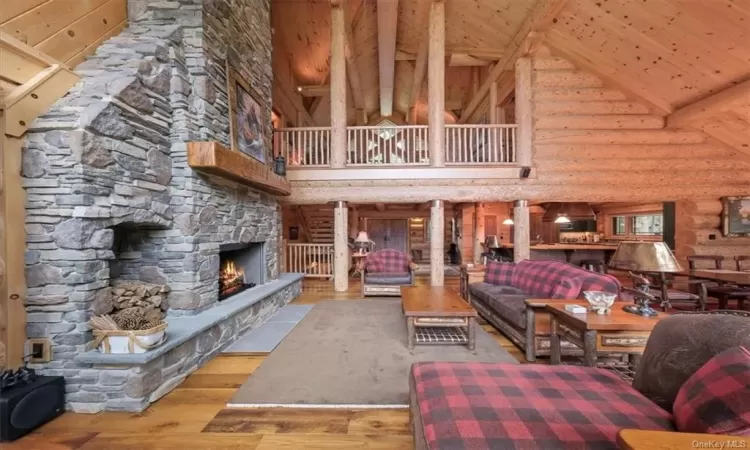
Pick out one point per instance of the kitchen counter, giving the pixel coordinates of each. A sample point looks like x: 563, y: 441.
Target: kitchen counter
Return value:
x: 571, y: 253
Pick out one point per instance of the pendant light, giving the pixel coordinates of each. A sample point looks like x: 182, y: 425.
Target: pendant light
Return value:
x: 508, y: 221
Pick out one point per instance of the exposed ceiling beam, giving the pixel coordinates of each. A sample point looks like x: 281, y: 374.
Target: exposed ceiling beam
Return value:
x: 571, y: 49
x: 387, y: 25
x: 488, y: 54
x: 708, y: 107
x: 540, y: 18
x: 352, y: 68
x: 464, y: 60
x: 420, y: 65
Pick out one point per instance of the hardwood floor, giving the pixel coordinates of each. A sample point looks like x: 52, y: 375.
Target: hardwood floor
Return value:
x: 193, y: 415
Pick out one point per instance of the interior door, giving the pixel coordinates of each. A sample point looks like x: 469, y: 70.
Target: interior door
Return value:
x: 398, y: 233
x: 388, y: 233
x: 377, y: 231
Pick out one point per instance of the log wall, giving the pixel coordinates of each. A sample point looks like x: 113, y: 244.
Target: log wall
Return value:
x: 66, y: 30
x: 698, y: 226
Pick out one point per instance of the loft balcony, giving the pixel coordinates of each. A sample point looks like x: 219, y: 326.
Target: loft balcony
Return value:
x: 399, y: 152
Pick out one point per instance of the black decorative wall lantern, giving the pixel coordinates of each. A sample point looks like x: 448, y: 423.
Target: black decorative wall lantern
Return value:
x: 279, y: 166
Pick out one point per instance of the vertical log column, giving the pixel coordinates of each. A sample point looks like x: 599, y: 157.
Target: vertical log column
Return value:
x: 436, y: 85
x: 478, y: 232
x: 338, y: 87
x: 340, y: 248
x: 521, y: 230
x: 437, y: 245
x: 524, y: 112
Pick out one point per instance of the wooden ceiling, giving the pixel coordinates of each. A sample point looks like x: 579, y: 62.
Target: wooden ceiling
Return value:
x: 669, y: 54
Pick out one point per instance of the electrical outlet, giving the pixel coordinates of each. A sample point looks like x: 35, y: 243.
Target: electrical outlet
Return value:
x: 39, y: 350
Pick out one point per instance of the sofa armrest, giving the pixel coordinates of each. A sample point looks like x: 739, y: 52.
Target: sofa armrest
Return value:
x: 542, y: 302
x: 648, y: 439
x: 413, y: 266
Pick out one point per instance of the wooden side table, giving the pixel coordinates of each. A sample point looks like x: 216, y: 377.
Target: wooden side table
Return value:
x: 470, y: 273
x: 618, y: 332
x: 672, y: 440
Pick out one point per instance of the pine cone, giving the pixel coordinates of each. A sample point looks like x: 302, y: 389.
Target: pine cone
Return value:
x: 151, y: 324
x: 129, y: 318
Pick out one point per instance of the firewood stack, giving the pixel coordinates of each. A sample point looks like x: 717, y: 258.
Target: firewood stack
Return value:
x: 133, y: 305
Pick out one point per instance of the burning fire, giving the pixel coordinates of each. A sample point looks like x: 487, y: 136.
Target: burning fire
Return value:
x: 230, y: 276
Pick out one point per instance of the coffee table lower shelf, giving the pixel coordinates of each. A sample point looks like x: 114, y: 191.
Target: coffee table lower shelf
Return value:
x: 441, y: 331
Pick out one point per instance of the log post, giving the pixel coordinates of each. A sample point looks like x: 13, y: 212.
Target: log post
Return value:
x: 338, y: 88
x: 436, y: 85
x: 340, y: 248
x: 478, y: 232
x: 437, y: 244
x: 524, y: 112
x: 521, y: 229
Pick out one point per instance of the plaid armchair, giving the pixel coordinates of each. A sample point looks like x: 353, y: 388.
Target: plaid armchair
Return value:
x: 385, y: 271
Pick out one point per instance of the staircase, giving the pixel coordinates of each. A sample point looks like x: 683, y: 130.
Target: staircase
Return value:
x: 318, y: 221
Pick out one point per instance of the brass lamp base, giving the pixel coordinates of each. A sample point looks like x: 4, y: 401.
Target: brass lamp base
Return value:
x: 641, y: 310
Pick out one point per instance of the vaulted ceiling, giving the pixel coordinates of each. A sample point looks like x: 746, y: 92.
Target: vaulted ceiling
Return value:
x: 669, y: 54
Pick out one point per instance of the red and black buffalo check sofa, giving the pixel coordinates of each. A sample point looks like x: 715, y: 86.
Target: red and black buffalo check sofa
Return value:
x: 457, y: 406
x: 501, y: 297
x: 385, y: 271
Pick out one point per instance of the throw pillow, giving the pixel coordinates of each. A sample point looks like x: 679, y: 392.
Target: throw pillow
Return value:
x: 499, y: 273
x: 567, y: 288
x: 716, y: 398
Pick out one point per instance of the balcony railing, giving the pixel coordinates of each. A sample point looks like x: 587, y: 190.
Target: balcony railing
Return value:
x: 398, y: 145
x: 404, y: 145
x: 314, y: 260
x: 480, y: 144
x: 308, y: 147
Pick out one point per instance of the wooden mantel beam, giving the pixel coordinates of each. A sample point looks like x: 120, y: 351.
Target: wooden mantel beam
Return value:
x: 717, y: 103
x: 538, y: 21
x: 387, y: 26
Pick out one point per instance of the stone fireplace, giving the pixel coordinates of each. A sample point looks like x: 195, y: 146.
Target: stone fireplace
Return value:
x: 111, y: 199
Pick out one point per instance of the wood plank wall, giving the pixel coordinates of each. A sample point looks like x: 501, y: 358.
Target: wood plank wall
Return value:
x: 591, y: 138
x: 66, y: 30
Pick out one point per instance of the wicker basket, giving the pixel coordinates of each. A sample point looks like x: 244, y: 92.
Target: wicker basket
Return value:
x: 129, y: 341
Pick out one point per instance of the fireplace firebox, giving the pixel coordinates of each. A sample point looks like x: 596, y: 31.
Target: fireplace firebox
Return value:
x: 241, y: 267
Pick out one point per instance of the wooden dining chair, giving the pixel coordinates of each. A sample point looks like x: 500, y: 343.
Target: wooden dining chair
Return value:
x: 593, y: 265
x: 743, y: 262
x: 724, y: 293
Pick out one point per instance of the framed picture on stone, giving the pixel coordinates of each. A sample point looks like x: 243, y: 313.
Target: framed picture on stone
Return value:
x: 246, y: 117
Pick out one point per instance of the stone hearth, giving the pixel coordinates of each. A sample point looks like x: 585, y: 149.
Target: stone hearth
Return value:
x: 110, y: 196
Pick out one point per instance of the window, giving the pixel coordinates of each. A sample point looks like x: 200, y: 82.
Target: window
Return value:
x: 638, y: 225
x: 648, y: 224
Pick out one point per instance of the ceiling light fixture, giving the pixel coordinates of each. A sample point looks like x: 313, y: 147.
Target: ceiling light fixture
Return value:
x: 508, y: 221
x: 562, y: 219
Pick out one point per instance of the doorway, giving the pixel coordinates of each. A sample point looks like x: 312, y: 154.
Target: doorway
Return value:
x: 388, y: 233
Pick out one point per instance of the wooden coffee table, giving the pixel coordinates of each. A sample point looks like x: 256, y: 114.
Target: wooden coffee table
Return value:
x: 437, y: 315
x: 618, y: 332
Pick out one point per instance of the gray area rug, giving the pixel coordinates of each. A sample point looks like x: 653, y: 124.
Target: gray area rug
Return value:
x: 350, y: 354
x: 424, y: 269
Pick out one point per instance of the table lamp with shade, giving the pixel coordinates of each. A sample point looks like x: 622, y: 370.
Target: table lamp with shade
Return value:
x: 362, y: 242
x: 644, y: 257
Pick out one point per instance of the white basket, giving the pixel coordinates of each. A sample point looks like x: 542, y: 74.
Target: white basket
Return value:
x: 137, y: 341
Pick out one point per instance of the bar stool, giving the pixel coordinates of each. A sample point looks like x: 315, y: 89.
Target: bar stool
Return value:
x: 593, y: 265
x: 743, y: 263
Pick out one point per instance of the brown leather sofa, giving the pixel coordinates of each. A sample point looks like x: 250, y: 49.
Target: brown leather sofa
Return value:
x: 504, y: 299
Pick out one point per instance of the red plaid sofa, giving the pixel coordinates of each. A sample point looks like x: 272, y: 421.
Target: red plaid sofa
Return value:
x: 501, y: 298
x: 477, y: 406
x: 385, y: 271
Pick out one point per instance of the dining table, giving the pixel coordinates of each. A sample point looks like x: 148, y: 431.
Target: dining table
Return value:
x: 740, y: 278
